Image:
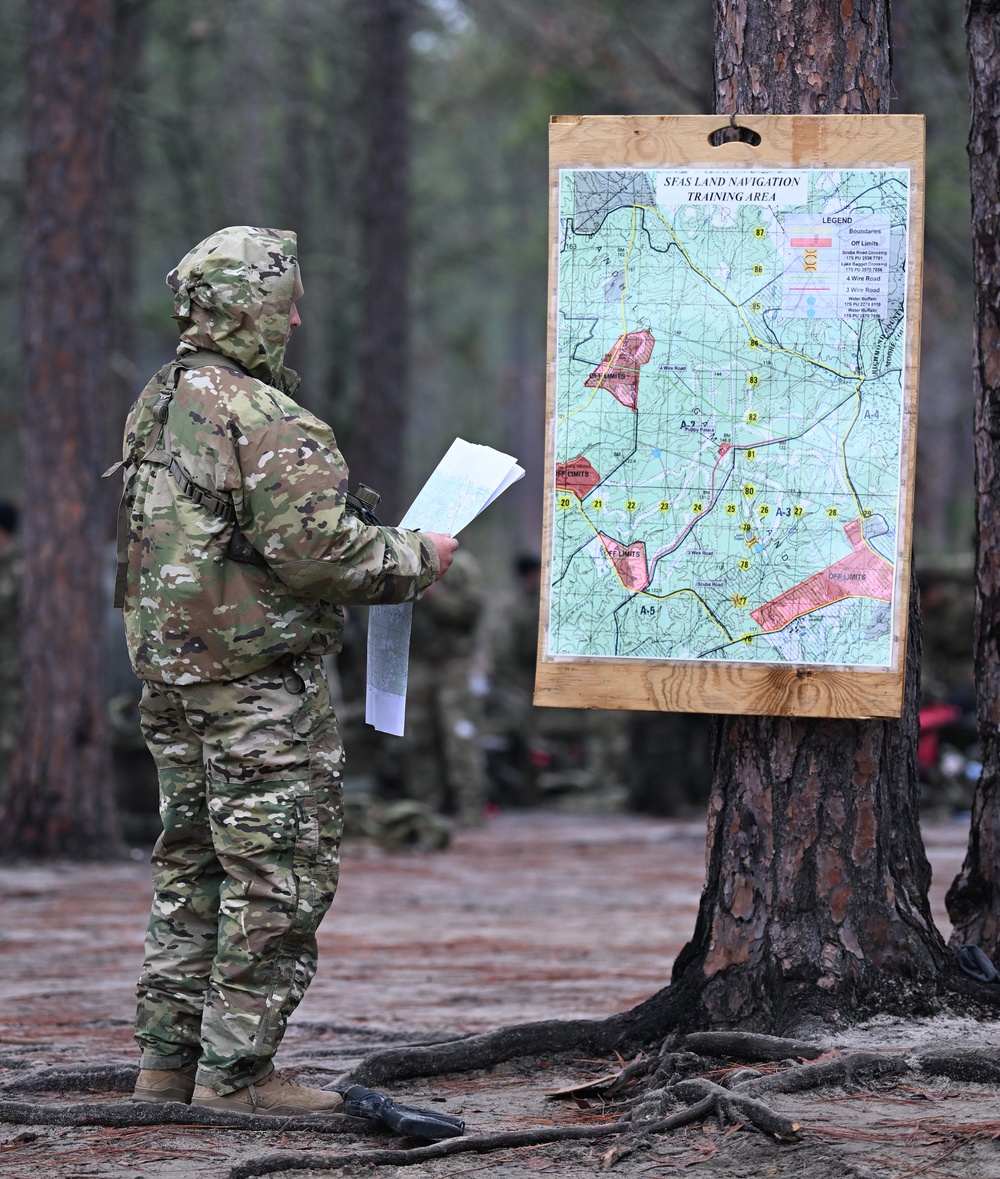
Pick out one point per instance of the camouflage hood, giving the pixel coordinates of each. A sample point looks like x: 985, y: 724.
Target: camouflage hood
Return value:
x: 233, y: 294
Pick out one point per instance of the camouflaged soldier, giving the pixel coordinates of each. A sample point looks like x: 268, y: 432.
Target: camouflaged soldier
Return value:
x: 236, y: 551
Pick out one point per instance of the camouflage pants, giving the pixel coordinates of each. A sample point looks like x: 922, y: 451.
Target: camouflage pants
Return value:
x: 250, y: 796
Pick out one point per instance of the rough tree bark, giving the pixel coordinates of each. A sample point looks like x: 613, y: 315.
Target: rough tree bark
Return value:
x: 974, y: 898
x: 815, y: 901
x: 297, y: 35
x: 60, y: 799
x: 131, y: 19
x: 378, y: 443
x: 812, y: 57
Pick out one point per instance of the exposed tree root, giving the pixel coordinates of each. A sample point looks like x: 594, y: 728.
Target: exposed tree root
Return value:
x: 473, y: 1053
x: 674, y: 1006
x: 171, y: 1113
x: 748, y: 1046
x: 73, y: 1079
x: 732, y: 1104
x: 479, y: 1143
x: 651, y: 1095
x: 640, y: 1067
x: 851, y: 1069
x: 972, y: 1064
x: 701, y: 1096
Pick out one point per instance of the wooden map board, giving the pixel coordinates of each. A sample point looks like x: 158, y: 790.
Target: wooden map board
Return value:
x: 775, y: 687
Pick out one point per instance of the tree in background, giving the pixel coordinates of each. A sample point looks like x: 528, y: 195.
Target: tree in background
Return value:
x: 816, y: 891
x: 378, y: 444
x: 485, y: 75
x: 131, y: 23
x: 59, y: 801
x: 974, y: 898
x: 815, y: 903
x: 930, y: 75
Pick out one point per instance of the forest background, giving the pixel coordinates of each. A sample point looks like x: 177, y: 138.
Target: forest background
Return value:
x: 263, y: 112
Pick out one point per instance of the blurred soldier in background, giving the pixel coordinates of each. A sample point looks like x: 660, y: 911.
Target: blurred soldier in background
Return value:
x: 669, y: 768
x: 947, y: 610
x: 513, y: 648
x: 948, y: 753
x: 9, y: 586
x: 545, y: 755
x: 439, y: 761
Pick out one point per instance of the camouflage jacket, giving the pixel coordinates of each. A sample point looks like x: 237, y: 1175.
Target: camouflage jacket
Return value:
x: 192, y: 613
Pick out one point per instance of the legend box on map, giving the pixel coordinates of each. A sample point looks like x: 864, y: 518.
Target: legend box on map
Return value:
x: 835, y: 267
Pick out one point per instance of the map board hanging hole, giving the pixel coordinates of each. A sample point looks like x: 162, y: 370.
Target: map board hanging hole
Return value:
x: 734, y: 133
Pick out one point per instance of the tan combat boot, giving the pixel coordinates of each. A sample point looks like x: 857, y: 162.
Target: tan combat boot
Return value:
x: 165, y: 1084
x: 277, y: 1096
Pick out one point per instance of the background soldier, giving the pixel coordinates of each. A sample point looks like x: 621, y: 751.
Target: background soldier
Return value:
x: 513, y: 647
x: 439, y: 761
x: 545, y: 754
x: 949, y: 754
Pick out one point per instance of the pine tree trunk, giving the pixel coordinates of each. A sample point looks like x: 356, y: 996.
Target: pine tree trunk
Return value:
x: 60, y: 800
x: 974, y: 897
x: 378, y: 447
x: 812, y: 57
x: 297, y: 37
x: 131, y: 19
x: 815, y: 901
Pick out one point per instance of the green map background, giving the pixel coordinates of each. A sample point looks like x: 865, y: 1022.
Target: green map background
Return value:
x: 826, y: 438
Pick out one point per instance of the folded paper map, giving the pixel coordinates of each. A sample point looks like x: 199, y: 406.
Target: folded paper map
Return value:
x: 467, y: 480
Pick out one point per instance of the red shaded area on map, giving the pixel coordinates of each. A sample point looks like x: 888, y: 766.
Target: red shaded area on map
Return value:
x: 577, y: 476
x: 618, y: 372
x: 629, y: 560
x: 861, y: 575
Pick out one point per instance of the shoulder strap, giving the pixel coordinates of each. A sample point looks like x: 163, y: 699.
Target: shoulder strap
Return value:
x: 131, y: 468
x: 156, y: 454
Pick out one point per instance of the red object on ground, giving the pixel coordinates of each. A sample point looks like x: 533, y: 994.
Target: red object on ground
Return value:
x: 932, y: 718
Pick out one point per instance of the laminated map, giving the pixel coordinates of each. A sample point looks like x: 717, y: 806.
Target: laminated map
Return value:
x: 727, y: 430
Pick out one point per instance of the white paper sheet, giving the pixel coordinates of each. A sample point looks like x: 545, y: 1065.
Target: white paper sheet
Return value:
x: 467, y: 480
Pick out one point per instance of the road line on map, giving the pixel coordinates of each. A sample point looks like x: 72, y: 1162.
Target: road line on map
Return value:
x: 739, y: 310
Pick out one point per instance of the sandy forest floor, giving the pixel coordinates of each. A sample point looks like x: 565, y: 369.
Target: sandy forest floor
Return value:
x: 537, y: 916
